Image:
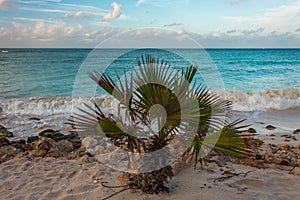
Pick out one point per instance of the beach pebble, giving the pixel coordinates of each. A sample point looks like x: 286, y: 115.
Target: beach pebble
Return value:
x: 270, y: 127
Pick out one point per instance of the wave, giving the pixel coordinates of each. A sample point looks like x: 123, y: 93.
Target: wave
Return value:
x: 249, y: 102
x: 262, y: 101
x: 50, y: 106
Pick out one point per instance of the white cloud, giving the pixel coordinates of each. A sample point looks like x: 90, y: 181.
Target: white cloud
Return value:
x: 52, y: 34
x: 79, y: 15
x: 115, y: 14
x: 7, y: 4
x: 284, y: 17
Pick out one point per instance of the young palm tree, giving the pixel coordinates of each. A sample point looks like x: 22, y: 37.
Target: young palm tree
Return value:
x: 188, y: 106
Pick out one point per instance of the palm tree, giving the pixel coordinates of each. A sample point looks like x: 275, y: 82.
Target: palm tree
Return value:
x: 189, y: 108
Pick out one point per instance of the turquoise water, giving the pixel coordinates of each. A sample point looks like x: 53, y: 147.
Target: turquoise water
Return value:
x: 52, y: 72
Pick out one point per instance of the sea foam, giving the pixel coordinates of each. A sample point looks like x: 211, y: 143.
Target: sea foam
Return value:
x: 250, y: 101
x: 263, y: 101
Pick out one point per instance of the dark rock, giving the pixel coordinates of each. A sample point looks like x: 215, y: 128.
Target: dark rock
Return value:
x: 49, y: 133
x: 251, y: 130
x: 31, y: 139
x: 285, y: 162
x: 57, y: 136
x: 18, y: 144
x: 34, y: 119
x: 297, y: 131
x: 4, y: 141
x: 5, y: 133
x: 270, y: 127
x: 76, y: 142
x: 259, y: 157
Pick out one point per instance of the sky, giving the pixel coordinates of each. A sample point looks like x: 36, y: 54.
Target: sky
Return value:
x: 212, y: 23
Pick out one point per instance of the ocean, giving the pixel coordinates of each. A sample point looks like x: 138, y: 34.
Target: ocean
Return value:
x: 45, y: 82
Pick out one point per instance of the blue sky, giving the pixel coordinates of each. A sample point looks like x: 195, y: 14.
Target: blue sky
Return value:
x: 212, y: 23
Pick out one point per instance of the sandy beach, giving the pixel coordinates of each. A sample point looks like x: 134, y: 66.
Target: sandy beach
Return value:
x: 69, y: 177
x: 60, y: 178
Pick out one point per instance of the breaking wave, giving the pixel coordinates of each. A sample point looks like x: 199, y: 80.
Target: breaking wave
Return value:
x: 250, y: 101
x: 263, y: 101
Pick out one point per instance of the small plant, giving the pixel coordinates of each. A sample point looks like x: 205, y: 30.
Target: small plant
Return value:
x: 155, y: 95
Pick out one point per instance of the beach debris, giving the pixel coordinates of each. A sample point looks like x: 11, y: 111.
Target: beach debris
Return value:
x: 270, y: 127
x: 297, y: 131
x: 4, y: 132
x: 229, y: 174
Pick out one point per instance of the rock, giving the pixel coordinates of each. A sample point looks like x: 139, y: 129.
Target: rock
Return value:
x: 18, y: 144
x: 4, y: 141
x: 55, y: 153
x: 297, y: 131
x: 295, y: 171
x: 57, y: 136
x: 251, y: 130
x: 123, y: 179
x: 76, y: 142
x: 259, y: 157
x: 46, y: 147
x: 89, y: 142
x: 27, y: 147
x: 285, y: 162
x: 5, y: 133
x: 270, y: 127
x: 65, y: 146
x: 34, y: 119
x: 49, y: 133
x: 7, y: 152
x: 31, y: 139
